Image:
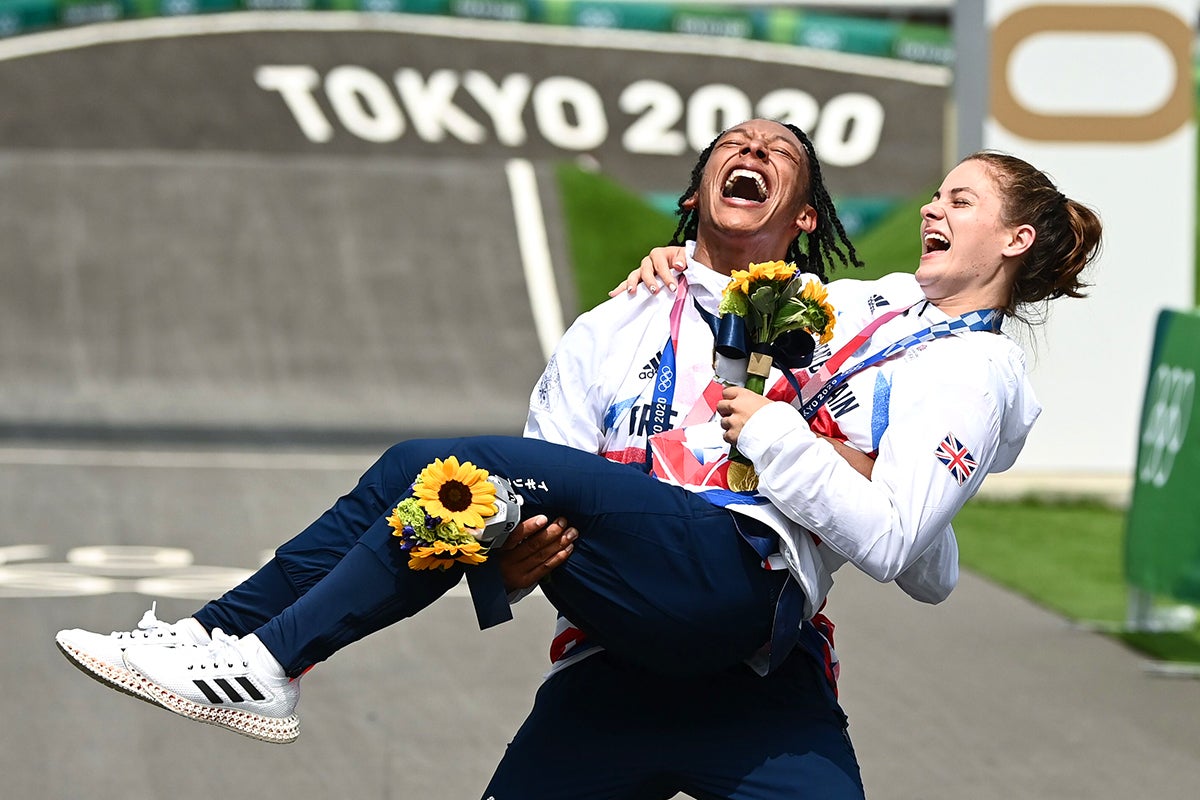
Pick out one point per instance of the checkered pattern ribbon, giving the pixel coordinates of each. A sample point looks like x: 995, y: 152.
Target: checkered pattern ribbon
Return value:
x: 828, y: 378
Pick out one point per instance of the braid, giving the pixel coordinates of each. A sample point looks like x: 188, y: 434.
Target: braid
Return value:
x: 689, y: 219
x: 827, y: 241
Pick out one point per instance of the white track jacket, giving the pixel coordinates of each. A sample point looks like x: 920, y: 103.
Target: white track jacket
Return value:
x: 939, y: 417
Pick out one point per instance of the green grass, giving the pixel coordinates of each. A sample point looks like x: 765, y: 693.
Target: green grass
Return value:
x: 1066, y: 557
x: 891, y: 245
x: 609, y: 230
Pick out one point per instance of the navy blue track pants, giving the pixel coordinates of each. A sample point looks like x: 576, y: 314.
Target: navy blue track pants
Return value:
x: 602, y: 730
x: 658, y: 576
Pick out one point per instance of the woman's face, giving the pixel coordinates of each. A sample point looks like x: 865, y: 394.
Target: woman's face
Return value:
x: 965, y: 242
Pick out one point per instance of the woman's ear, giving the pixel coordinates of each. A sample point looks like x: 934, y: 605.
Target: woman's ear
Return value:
x: 1021, y: 239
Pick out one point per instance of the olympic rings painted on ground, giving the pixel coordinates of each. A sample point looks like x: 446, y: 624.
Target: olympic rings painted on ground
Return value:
x: 115, y: 569
x: 112, y: 569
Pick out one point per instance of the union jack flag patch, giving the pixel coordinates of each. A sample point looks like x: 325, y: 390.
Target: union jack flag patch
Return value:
x: 957, y: 458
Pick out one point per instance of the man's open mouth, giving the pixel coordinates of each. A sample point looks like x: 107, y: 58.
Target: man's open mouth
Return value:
x: 745, y: 185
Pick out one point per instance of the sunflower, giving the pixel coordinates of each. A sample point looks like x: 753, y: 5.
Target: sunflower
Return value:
x: 453, y: 492
x: 741, y: 280
x: 443, y: 555
x: 816, y: 293
x: 772, y: 271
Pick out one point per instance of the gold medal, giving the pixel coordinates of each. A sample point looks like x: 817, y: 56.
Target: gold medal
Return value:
x: 742, y: 477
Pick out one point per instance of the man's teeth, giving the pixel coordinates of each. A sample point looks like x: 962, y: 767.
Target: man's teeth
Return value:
x: 737, y: 175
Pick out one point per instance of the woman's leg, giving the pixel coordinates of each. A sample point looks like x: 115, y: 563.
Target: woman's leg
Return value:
x: 659, y: 576
x: 308, y: 557
x: 663, y: 581
x: 297, y: 566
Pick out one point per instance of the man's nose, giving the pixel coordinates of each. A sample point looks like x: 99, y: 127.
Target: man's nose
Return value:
x: 756, y: 148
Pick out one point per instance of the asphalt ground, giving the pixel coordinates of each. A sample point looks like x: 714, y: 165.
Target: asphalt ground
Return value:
x: 201, y: 352
x: 985, y: 696
x: 206, y: 297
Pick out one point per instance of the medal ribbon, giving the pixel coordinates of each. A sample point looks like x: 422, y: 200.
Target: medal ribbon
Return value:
x: 828, y: 378
x: 665, y: 377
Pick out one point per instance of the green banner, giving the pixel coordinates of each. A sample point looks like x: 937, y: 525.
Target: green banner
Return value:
x: 1162, y: 540
x: 931, y: 44
x: 22, y: 16
x: 884, y: 37
x: 590, y: 14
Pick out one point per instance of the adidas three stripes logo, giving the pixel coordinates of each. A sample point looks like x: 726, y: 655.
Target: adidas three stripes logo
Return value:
x: 231, y: 695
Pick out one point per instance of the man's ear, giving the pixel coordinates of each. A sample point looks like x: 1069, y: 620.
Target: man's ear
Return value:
x: 690, y: 203
x: 806, y: 220
x: 1020, y: 240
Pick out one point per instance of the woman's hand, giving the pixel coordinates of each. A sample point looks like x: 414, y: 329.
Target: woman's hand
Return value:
x: 533, y: 550
x: 736, y: 407
x: 658, y: 267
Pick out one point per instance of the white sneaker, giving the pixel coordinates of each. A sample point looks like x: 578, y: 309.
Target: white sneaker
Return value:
x: 234, y: 683
x: 100, y: 655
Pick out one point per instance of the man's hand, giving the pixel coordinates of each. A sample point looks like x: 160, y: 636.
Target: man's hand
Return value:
x: 535, y: 548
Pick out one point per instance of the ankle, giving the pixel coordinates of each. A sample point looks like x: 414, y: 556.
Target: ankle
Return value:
x: 264, y: 659
x: 194, y: 629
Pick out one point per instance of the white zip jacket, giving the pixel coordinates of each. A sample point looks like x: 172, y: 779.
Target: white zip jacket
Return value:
x: 596, y: 392
x: 940, y: 416
x: 597, y: 389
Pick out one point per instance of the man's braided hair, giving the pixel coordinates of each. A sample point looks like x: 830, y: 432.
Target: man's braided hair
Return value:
x: 826, y: 242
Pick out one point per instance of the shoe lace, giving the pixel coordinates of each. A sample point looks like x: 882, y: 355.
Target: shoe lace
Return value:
x: 149, y: 624
x: 224, y: 649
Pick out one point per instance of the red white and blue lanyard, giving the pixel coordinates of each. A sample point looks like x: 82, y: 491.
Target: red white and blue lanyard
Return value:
x: 828, y: 378
x: 665, y: 376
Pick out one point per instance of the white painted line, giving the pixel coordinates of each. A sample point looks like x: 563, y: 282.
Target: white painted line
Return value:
x: 167, y: 459
x: 535, y: 254
x: 23, y: 552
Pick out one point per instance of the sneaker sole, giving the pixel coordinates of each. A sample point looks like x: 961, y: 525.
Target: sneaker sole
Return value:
x: 274, y: 730
x: 122, y: 680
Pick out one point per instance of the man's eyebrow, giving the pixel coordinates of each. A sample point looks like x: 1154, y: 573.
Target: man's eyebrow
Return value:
x: 771, y: 138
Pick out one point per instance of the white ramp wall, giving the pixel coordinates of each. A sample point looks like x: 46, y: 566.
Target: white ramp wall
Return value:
x: 1100, y: 95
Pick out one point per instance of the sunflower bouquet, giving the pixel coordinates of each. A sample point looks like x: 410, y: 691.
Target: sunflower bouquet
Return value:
x: 440, y: 523
x: 778, y: 316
